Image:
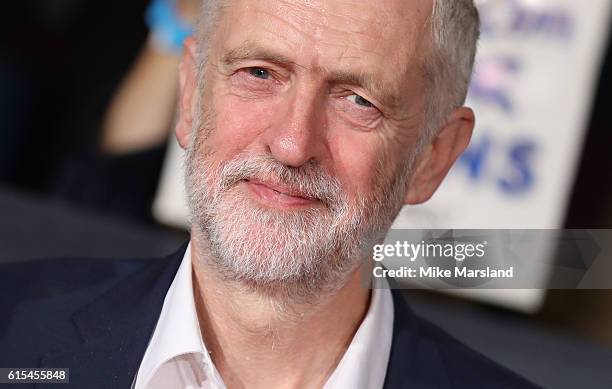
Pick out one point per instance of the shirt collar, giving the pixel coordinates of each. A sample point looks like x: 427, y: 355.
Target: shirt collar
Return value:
x: 364, y: 364
x: 177, y: 331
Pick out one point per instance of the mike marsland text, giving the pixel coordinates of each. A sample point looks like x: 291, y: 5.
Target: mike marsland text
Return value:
x: 438, y: 272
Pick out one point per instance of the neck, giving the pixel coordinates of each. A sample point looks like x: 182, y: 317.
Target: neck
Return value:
x: 295, y: 344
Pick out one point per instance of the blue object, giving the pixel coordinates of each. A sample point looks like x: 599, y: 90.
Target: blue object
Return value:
x: 167, y: 28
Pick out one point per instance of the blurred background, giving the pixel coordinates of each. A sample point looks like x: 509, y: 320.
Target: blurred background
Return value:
x: 88, y: 165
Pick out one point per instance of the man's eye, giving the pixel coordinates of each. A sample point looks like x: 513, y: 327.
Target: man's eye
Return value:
x: 354, y: 98
x: 259, y: 73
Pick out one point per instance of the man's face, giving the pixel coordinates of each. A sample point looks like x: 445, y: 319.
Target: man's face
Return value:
x: 305, y: 133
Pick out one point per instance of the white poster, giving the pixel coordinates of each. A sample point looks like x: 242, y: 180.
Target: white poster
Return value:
x: 532, y: 92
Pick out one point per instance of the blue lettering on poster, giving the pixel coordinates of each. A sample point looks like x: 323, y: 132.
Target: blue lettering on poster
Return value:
x: 520, y: 176
x: 515, y: 175
x: 512, y: 17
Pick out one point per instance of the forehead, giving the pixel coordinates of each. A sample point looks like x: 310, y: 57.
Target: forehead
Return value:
x: 383, y: 36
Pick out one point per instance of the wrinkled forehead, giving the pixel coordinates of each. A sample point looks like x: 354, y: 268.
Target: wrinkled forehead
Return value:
x: 385, y: 35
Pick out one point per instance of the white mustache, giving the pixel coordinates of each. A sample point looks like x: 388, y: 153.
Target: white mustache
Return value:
x: 310, y: 180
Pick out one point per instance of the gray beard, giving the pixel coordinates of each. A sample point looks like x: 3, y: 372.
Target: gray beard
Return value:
x: 290, y: 255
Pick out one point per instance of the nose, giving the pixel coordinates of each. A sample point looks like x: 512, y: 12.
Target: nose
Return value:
x: 298, y: 133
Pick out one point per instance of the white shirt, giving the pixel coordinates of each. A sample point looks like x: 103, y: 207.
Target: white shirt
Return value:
x: 176, y: 356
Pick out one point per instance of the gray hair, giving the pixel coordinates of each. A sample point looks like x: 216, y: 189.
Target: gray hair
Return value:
x: 454, y: 28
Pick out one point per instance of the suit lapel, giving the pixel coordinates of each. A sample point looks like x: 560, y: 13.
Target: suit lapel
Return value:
x: 116, y: 327
x: 415, y: 361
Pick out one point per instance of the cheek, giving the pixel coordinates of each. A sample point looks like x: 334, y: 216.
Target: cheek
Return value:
x: 356, y: 158
x: 238, y: 123
x: 366, y: 162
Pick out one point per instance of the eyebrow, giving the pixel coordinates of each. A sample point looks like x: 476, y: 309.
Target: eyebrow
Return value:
x: 251, y: 51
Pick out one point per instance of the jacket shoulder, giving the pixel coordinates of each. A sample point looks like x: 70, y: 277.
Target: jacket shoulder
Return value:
x: 51, y: 278
x: 39, y: 298
x: 466, y: 367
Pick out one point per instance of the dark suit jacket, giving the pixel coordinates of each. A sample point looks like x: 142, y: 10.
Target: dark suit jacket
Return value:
x: 96, y: 316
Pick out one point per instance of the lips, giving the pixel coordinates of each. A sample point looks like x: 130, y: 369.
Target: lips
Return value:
x: 279, y: 195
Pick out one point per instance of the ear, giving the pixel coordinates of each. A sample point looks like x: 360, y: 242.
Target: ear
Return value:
x: 436, y: 160
x: 188, y: 85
